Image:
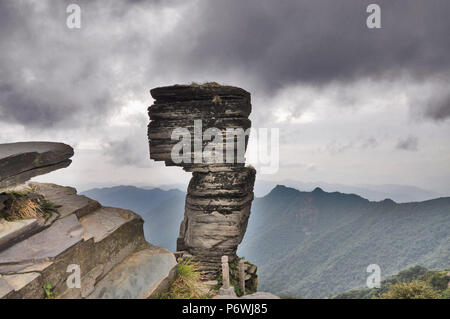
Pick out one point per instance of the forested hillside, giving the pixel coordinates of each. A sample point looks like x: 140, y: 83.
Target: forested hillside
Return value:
x: 312, y: 244
x: 317, y: 244
x: 414, y: 282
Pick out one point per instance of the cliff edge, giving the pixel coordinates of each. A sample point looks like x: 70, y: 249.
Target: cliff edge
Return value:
x: 55, y: 243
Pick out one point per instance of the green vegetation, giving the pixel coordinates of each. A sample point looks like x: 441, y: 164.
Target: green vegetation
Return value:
x: 48, y: 207
x: 412, y: 290
x: 413, y: 283
x: 216, y: 99
x: 446, y: 294
x: 234, y: 278
x: 318, y: 244
x: 187, y: 283
x: 26, y: 205
x: 206, y: 84
x: 49, y: 292
x: 312, y: 244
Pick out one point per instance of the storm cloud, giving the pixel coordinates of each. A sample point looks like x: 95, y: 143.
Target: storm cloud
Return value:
x: 410, y: 143
x: 52, y: 75
x: 322, y: 41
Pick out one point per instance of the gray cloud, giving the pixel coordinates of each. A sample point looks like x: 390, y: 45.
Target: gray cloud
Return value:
x: 370, y: 142
x: 54, y: 77
x: 128, y: 151
x: 336, y: 147
x: 321, y: 41
x: 438, y: 107
x: 411, y: 143
x: 295, y: 56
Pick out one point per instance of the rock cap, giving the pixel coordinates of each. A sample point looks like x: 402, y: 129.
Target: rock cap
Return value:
x: 21, y: 161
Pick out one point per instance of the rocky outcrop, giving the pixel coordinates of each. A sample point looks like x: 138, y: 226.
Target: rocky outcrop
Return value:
x: 256, y: 295
x: 19, y: 162
x: 179, y: 106
x: 220, y: 192
x: 216, y: 218
x: 105, y: 244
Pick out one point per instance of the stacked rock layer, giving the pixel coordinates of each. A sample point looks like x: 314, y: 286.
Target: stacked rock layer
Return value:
x: 21, y: 161
x: 220, y: 193
x: 39, y: 246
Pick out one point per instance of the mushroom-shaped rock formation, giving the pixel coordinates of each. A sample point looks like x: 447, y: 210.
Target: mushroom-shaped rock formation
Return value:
x: 204, y: 129
x: 19, y: 162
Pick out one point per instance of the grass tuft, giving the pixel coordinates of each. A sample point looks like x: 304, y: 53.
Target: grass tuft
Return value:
x: 49, y: 292
x: 206, y: 84
x: 26, y: 205
x: 187, y: 283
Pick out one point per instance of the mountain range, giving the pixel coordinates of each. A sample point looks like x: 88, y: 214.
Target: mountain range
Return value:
x: 373, y: 192
x: 398, y: 193
x: 162, y: 210
x: 311, y: 244
x: 438, y: 280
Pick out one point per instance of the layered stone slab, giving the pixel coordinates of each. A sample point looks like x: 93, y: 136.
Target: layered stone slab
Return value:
x: 21, y: 161
x: 256, y: 295
x: 96, y: 239
x: 105, y: 221
x: 220, y: 193
x: 185, y: 106
x: 11, y: 283
x: 49, y: 243
x: 141, y: 275
x: 67, y: 198
x: 12, y: 230
x: 194, y: 92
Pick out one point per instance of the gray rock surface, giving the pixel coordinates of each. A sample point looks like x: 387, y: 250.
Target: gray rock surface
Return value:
x: 178, y: 106
x: 219, y: 195
x: 10, y: 230
x: 140, y: 276
x: 256, y: 295
x: 46, y: 244
x: 106, y: 243
x: 19, y: 162
x: 67, y: 198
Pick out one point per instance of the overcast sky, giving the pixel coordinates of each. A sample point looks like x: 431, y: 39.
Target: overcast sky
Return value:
x: 353, y: 105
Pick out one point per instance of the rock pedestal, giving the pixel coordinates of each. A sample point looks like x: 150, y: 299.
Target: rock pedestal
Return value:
x: 211, y: 122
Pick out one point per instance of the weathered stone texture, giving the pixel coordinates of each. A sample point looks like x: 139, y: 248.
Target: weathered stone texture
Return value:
x: 178, y: 106
x: 220, y: 194
x: 102, y: 241
x: 21, y: 161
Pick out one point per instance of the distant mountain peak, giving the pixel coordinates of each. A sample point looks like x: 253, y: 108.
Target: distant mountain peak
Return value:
x: 318, y: 190
x: 283, y: 191
x: 388, y: 201
x: 283, y: 188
